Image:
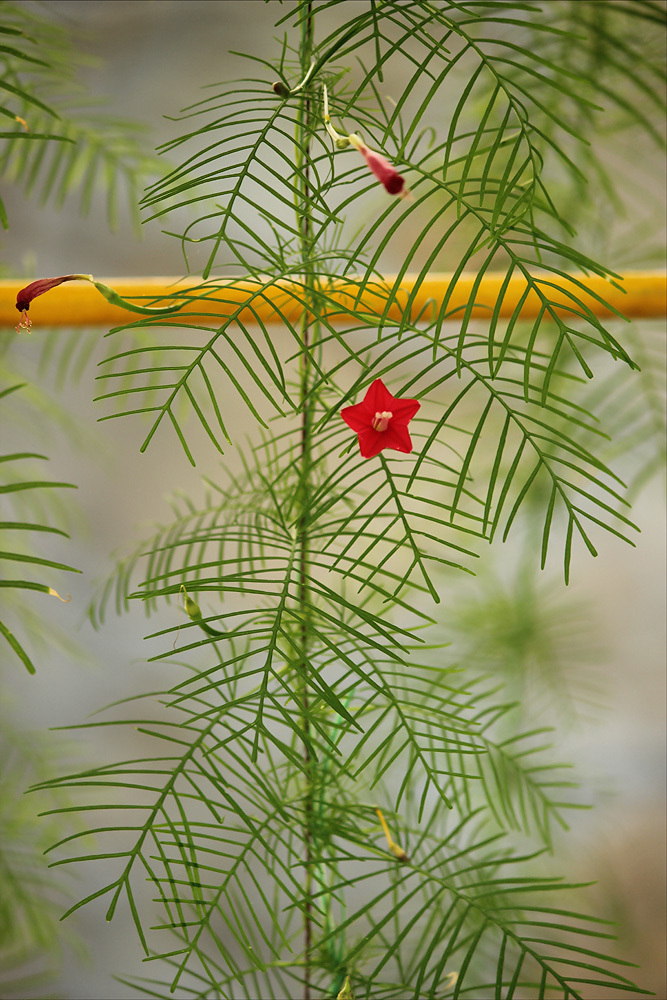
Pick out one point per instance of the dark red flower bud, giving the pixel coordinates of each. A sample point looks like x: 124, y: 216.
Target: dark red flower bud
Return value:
x: 35, y: 288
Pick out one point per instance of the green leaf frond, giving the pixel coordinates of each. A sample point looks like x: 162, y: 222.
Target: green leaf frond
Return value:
x: 16, y: 558
x: 619, y: 58
x: 93, y: 152
x: 205, y: 860
x: 517, y: 433
x: 539, y: 643
x: 633, y: 411
x: 240, y: 541
x: 31, y: 935
x: 60, y: 141
x: 225, y: 927
x: 479, y: 191
x: 462, y: 886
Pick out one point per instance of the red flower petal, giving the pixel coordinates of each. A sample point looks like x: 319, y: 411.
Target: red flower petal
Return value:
x: 371, y: 442
x: 378, y: 397
x: 356, y: 416
x: 403, y: 410
x: 398, y: 438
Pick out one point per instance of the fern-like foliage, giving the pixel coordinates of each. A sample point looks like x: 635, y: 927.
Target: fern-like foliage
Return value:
x: 53, y: 144
x: 325, y: 800
x: 15, y: 528
x: 55, y: 141
x: 511, y: 374
x: 32, y: 943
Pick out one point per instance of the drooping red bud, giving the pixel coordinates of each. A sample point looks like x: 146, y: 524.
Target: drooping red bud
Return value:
x: 386, y: 173
x: 35, y: 288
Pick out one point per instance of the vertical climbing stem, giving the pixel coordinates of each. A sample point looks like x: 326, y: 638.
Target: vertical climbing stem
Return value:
x: 308, y: 333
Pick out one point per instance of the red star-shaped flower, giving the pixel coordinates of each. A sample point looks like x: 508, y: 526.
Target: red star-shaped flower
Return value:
x: 381, y: 420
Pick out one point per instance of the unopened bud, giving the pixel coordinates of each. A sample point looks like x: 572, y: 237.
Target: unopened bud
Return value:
x: 281, y: 89
x: 342, y: 143
x: 395, y: 848
x: 192, y: 609
x: 346, y: 992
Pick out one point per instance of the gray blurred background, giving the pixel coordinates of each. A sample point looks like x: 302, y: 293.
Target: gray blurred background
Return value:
x: 156, y: 55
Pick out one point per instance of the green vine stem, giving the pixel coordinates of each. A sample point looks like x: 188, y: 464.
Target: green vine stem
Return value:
x: 305, y: 121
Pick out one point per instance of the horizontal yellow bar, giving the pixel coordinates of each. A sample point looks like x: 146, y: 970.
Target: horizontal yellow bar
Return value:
x: 78, y: 303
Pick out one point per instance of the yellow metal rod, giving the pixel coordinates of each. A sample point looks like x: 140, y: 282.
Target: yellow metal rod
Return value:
x: 79, y: 304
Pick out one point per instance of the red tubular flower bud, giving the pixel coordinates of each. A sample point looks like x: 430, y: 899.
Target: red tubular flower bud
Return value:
x: 31, y: 291
x: 35, y: 288
x: 386, y: 173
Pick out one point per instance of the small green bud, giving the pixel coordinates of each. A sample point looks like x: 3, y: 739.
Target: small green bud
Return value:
x: 116, y: 300
x: 346, y: 992
x: 342, y: 143
x: 281, y: 89
x: 192, y: 609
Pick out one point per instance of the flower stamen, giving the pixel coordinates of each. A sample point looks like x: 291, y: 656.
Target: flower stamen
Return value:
x: 25, y: 322
x: 380, y: 421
